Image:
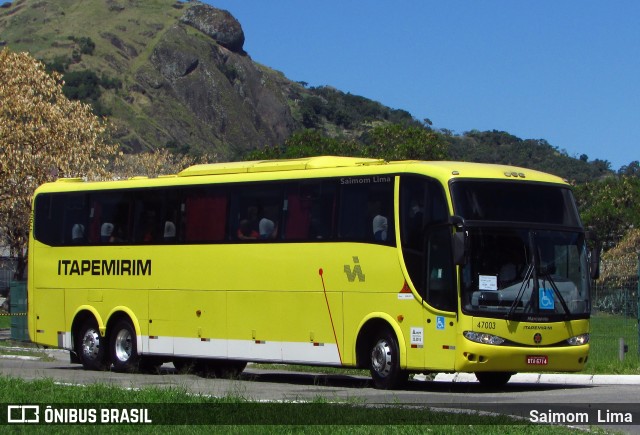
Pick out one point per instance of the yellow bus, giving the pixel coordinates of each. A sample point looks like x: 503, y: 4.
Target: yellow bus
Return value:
x: 399, y: 267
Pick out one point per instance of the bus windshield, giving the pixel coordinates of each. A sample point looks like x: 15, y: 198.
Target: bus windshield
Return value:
x: 526, y: 274
x: 527, y: 257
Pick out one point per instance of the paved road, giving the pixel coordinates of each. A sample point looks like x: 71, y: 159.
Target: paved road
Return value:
x: 533, y: 391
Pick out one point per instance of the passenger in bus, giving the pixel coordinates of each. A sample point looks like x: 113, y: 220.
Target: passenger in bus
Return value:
x: 105, y: 232
x: 117, y: 235
x: 149, y: 227
x: 169, y: 231
x: 248, y: 227
x: 380, y: 223
x: 245, y: 232
x: 77, y: 233
x: 267, y: 229
x: 380, y: 227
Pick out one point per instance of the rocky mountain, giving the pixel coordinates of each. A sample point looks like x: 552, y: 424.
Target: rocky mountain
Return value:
x: 170, y: 73
x: 174, y: 74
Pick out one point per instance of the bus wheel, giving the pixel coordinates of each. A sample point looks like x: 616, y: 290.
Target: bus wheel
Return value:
x: 124, y: 350
x: 385, y: 363
x: 493, y: 379
x: 91, y: 347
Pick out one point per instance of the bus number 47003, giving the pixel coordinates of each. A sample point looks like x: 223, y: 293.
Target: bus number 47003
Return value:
x: 537, y: 360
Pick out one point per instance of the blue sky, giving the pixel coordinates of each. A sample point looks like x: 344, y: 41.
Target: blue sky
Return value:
x: 565, y: 71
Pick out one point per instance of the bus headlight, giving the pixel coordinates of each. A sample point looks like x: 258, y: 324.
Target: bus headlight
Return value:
x: 579, y: 340
x: 484, y: 338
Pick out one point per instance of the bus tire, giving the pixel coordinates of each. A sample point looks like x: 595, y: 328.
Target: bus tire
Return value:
x: 91, y: 347
x: 493, y: 379
x: 386, y: 373
x: 124, y: 347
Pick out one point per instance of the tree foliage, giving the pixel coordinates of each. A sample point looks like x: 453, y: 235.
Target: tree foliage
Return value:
x: 385, y: 141
x: 630, y: 170
x: 609, y: 207
x: 501, y: 147
x: 153, y: 163
x: 620, y: 264
x: 400, y: 142
x: 325, y: 104
x: 43, y: 136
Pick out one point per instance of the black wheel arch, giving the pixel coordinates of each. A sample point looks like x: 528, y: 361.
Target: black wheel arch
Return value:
x: 367, y: 336
x: 79, y: 320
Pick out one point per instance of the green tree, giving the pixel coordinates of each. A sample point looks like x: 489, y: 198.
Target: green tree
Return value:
x: 308, y: 143
x: 630, y: 170
x: 400, y: 142
x: 385, y: 141
x: 82, y: 85
x: 609, y: 207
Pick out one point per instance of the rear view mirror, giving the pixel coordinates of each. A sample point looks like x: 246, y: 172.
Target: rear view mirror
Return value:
x: 460, y: 248
x: 459, y: 241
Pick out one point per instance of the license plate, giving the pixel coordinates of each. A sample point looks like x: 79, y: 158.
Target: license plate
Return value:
x: 537, y: 360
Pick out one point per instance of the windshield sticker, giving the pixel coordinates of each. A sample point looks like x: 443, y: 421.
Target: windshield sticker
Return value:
x: 488, y: 283
x: 546, y: 299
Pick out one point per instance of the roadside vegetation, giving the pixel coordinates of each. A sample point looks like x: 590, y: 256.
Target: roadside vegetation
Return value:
x: 606, y: 330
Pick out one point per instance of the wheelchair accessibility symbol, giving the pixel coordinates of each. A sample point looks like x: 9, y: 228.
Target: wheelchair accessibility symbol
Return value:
x: 546, y: 299
x: 439, y: 322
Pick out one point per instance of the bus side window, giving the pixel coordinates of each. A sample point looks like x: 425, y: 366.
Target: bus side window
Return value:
x: 257, y: 212
x: 95, y: 216
x: 49, y: 220
x: 366, y: 210
x: 76, y: 216
x: 109, y: 217
x: 205, y: 215
x: 298, y: 220
x: 310, y: 210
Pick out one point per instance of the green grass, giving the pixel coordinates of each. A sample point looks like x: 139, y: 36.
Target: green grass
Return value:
x: 167, y: 406
x: 606, y: 330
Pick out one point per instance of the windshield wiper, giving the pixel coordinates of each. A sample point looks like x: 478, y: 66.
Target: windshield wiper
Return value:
x: 532, y: 272
x: 523, y: 286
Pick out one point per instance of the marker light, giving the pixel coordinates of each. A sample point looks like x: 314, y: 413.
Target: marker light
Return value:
x: 484, y: 338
